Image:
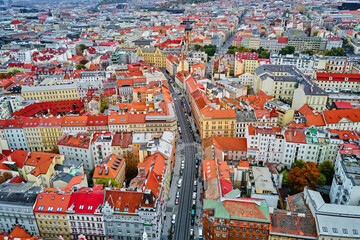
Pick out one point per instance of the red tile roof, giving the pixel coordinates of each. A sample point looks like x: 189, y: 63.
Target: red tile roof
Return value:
x: 348, y: 77
x: 124, y: 200
x: 334, y: 116
x: 86, y: 201
x: 52, y: 202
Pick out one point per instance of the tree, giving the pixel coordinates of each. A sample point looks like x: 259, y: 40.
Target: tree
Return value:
x: 105, y: 182
x: 285, y: 182
x: 308, y: 176
x: 82, y: 47
x: 310, y: 52
x: 2, y: 179
x: 2, y: 75
x: 327, y: 170
x: 298, y: 163
x: 315, y: 33
x: 287, y: 50
x: 80, y: 66
x: 13, y: 72
x: 322, y: 179
x: 104, y: 105
x: 339, y: 51
x: 197, y: 47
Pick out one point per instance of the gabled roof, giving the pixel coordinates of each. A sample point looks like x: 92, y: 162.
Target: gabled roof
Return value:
x: 86, y: 200
x: 335, y: 116
x: 52, y: 202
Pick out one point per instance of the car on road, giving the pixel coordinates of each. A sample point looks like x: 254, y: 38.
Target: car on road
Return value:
x: 192, y: 221
x: 173, y: 218
x: 194, y: 202
x: 195, y: 183
x: 179, y: 182
x: 192, y: 232
x: 176, y: 201
x: 172, y: 228
x: 181, y: 171
x: 182, y: 166
x: 194, y: 195
x: 178, y: 194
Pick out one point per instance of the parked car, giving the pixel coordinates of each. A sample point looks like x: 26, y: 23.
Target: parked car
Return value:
x: 176, y: 201
x: 179, y: 182
x: 173, y: 218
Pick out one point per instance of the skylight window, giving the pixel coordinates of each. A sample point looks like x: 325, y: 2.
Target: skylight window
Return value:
x: 50, y: 209
x: 40, y: 208
x: 81, y: 207
x: 90, y: 207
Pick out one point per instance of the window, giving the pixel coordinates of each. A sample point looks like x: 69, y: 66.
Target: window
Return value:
x: 90, y: 207
x: 50, y: 209
x: 81, y: 207
x: 345, y: 231
x: 324, y: 229
x: 355, y: 232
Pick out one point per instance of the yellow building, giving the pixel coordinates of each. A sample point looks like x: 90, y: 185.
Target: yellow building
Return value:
x: 50, y: 93
x: 50, y: 214
x: 32, y: 134
x: 39, y: 167
x: 285, y: 112
x: 215, y: 122
x: 153, y: 55
x: 112, y: 167
x: 50, y: 131
x: 245, y: 62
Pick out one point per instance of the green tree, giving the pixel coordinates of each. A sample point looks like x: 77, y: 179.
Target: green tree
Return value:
x: 287, y: 50
x: 339, y: 51
x: 104, y: 105
x: 327, y: 170
x: 315, y: 33
x: 82, y: 47
x: 285, y: 182
x: 310, y: 52
x: 197, y: 47
x: 13, y: 72
x: 105, y: 182
x: 298, y: 163
x: 321, y: 179
x: 2, y: 75
x: 80, y: 66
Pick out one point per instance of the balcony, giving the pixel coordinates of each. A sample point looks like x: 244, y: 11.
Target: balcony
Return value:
x: 338, y: 179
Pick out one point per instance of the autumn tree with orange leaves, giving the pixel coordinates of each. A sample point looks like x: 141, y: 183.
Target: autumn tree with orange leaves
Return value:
x: 307, y: 175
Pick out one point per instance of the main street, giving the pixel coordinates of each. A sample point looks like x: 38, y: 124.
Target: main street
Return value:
x: 183, y: 218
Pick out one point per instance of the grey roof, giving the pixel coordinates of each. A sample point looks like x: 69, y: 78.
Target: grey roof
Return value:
x: 295, y: 75
x: 245, y: 116
x: 18, y: 193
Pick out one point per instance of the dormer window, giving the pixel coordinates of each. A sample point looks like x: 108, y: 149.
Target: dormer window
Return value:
x: 81, y: 207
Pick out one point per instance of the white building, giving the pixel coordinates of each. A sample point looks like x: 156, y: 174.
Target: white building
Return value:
x: 101, y: 146
x: 76, y: 147
x: 265, y: 145
x: 345, y: 188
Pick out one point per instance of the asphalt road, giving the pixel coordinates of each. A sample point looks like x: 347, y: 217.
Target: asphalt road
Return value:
x: 183, y: 218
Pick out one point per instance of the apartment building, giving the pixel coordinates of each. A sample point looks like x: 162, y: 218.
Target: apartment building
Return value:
x: 77, y: 148
x: 50, y: 214
x: 84, y: 213
x: 16, y: 206
x: 345, y: 187
x: 338, y: 81
x: 215, y: 122
x: 236, y: 218
x: 50, y: 93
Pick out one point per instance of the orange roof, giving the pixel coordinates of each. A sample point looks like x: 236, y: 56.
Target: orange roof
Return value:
x: 209, y: 169
x: 79, y: 140
x: 295, y: 136
x: 314, y: 119
x: 75, y: 181
x: 72, y: 121
x: 41, y: 161
x: 305, y: 110
x: 334, y: 116
x: 110, y: 167
x: 244, y: 209
x: 50, y: 122
x: 119, y: 200
x: 209, y: 112
x: 52, y: 202
x: 230, y: 143
x: 244, y: 164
